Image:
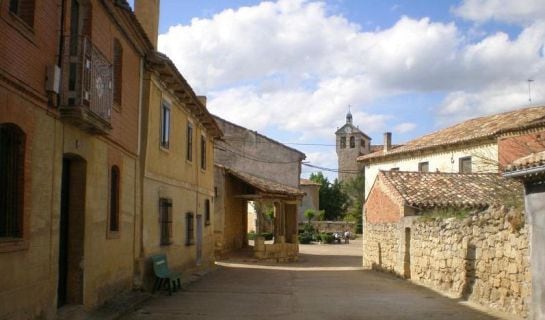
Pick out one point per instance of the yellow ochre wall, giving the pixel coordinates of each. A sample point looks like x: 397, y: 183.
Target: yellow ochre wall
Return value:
x: 167, y: 174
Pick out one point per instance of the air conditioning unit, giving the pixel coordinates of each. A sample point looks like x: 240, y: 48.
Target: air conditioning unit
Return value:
x: 53, y: 78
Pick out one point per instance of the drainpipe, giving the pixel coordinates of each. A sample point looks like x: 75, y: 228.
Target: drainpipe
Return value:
x: 139, y: 186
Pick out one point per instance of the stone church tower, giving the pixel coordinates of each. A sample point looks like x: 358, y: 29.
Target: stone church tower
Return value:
x: 350, y: 143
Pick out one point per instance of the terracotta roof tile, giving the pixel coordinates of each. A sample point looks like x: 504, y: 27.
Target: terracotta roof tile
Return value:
x: 308, y: 182
x: 266, y: 186
x: 437, y: 189
x: 473, y: 129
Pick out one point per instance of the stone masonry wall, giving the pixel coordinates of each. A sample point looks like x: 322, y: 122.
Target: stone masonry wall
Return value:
x: 381, y: 246
x: 483, y: 258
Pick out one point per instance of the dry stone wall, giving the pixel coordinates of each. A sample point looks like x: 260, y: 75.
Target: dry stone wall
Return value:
x: 381, y: 245
x: 483, y: 258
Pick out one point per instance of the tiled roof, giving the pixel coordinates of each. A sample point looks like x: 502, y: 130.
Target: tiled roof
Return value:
x: 265, y: 186
x: 528, y: 168
x: 473, y: 129
x: 438, y: 189
x: 183, y: 90
x: 533, y: 160
x: 308, y: 182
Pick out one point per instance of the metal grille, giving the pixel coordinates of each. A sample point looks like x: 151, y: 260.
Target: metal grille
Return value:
x: 165, y: 219
x: 87, y: 77
x: 190, y: 238
x: 11, y: 181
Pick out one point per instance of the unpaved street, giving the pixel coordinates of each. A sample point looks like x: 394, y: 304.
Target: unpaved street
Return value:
x: 326, y: 283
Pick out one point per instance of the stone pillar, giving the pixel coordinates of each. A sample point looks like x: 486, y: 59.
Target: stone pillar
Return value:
x: 279, y: 223
x: 291, y: 223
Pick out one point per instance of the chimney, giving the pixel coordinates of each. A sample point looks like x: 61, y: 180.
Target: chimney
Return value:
x: 147, y: 13
x: 387, y: 141
x: 202, y: 99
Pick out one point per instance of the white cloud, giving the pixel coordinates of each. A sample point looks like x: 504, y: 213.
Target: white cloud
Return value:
x: 459, y: 106
x: 293, y: 66
x: 405, y: 127
x: 512, y: 11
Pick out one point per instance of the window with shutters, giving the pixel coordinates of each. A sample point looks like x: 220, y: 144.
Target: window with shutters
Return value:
x: 465, y: 165
x: 114, y: 200
x: 165, y: 220
x: 189, y: 144
x: 12, y: 154
x: 24, y: 9
x: 207, y: 212
x: 424, y: 167
x: 165, y: 124
x: 203, y: 153
x: 118, y: 73
x: 190, y: 229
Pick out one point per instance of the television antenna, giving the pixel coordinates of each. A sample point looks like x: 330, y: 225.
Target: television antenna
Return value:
x: 530, y: 90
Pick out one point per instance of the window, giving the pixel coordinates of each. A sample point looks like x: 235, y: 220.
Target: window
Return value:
x: 206, y: 212
x: 362, y: 143
x: 165, y: 219
x: 190, y: 237
x: 189, y: 144
x: 343, y: 142
x: 395, y: 169
x: 165, y: 124
x: 118, y: 72
x: 424, y: 167
x: 352, y: 142
x: 203, y: 153
x: 465, y: 165
x: 24, y: 9
x: 12, y: 156
x: 114, y: 200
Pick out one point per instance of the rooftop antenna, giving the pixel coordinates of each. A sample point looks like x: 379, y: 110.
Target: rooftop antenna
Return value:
x: 530, y: 90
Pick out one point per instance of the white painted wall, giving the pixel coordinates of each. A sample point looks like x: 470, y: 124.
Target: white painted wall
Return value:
x: 484, y: 158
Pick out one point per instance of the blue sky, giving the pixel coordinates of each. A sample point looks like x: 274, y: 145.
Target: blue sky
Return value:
x: 290, y: 68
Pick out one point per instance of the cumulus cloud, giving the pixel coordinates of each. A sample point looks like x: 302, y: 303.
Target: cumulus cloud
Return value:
x: 293, y: 65
x: 526, y: 11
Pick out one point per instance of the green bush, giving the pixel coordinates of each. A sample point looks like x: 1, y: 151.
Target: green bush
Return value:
x: 326, y: 237
x: 267, y: 235
x: 305, y: 238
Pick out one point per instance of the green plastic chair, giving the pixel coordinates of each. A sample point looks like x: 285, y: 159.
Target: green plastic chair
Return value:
x: 164, y: 276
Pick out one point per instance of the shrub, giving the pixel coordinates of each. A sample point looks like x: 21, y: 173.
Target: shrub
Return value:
x: 305, y: 238
x: 251, y: 235
x: 267, y: 235
x: 326, y: 237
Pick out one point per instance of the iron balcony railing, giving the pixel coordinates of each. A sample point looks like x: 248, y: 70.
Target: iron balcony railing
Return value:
x: 87, y: 78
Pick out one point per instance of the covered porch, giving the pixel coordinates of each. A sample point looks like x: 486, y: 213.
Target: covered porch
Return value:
x: 236, y: 190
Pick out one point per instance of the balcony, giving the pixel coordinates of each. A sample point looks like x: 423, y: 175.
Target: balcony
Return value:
x: 87, y: 88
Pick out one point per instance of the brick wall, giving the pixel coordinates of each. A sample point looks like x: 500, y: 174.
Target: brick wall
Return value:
x: 515, y: 147
x: 380, y: 207
x: 26, y: 51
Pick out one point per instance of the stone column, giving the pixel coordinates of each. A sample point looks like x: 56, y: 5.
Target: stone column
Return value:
x: 291, y: 223
x: 279, y: 224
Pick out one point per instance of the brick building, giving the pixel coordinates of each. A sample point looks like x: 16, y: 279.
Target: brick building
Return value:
x: 70, y: 74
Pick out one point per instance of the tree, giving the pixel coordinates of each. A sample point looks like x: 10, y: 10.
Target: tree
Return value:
x: 354, y: 190
x: 309, y: 214
x: 333, y: 200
